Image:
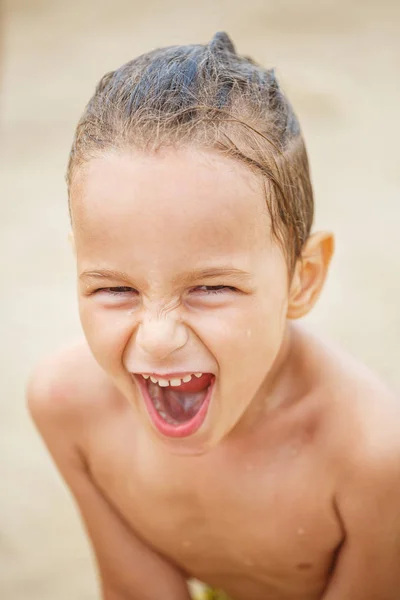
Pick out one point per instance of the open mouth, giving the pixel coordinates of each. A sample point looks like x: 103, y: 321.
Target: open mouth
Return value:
x: 177, y: 406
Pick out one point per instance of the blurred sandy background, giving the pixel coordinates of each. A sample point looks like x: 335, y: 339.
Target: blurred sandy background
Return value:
x: 339, y: 62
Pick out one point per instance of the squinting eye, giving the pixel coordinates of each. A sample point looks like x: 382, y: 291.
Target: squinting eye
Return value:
x: 214, y: 289
x: 117, y: 291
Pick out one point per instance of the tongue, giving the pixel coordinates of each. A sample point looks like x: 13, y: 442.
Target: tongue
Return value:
x: 196, y: 384
x: 183, y: 406
x: 181, y: 403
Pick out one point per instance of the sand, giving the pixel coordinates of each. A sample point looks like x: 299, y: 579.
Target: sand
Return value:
x: 339, y: 62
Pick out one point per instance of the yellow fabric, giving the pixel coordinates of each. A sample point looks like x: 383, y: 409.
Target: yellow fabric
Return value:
x: 199, y: 591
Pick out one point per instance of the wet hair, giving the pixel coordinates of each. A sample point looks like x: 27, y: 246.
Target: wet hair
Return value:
x: 210, y: 97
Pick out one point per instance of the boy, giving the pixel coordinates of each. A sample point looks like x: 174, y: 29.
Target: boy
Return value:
x: 202, y: 432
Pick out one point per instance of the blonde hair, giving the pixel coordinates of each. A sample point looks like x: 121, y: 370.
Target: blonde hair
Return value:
x: 209, y: 96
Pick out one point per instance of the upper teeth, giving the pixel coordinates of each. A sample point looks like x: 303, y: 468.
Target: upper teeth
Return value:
x: 173, y: 382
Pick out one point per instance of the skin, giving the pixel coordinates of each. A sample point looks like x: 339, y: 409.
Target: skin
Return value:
x: 289, y: 489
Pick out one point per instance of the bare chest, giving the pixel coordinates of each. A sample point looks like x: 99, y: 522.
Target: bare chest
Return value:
x: 250, y: 529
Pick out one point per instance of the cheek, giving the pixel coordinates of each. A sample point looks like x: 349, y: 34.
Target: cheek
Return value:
x: 107, y: 332
x: 246, y: 334
x: 258, y: 338
x: 249, y: 353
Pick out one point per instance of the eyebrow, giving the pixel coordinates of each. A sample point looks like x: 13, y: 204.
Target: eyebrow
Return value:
x: 104, y: 274
x: 204, y: 273
x: 213, y: 273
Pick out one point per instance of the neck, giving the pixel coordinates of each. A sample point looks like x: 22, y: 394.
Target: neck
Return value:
x: 276, y: 390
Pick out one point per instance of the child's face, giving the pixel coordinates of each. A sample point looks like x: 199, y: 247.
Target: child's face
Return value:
x: 179, y: 274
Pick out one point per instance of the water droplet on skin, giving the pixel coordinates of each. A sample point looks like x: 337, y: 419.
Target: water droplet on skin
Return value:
x: 300, y: 531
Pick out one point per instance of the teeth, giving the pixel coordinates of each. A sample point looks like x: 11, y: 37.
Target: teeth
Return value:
x: 173, y: 382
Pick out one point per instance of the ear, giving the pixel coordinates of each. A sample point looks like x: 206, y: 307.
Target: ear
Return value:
x: 310, y: 274
x: 71, y: 240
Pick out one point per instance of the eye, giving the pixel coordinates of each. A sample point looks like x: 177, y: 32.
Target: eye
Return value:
x: 117, y: 291
x: 214, y: 289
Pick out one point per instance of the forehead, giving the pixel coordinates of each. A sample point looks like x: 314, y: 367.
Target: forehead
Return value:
x: 180, y: 201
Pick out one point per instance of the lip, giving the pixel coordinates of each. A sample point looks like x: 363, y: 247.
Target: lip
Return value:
x: 175, y: 431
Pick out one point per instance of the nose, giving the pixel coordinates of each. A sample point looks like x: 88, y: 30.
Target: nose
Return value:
x: 160, y: 337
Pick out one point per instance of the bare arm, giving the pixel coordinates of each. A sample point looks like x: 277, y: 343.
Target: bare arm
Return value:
x: 368, y: 565
x: 128, y: 568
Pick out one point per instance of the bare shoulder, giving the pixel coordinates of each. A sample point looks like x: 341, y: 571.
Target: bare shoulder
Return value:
x: 361, y: 437
x: 362, y: 414
x: 370, y: 435
x: 369, y: 411
x: 66, y: 384
x: 365, y: 449
x: 68, y: 395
